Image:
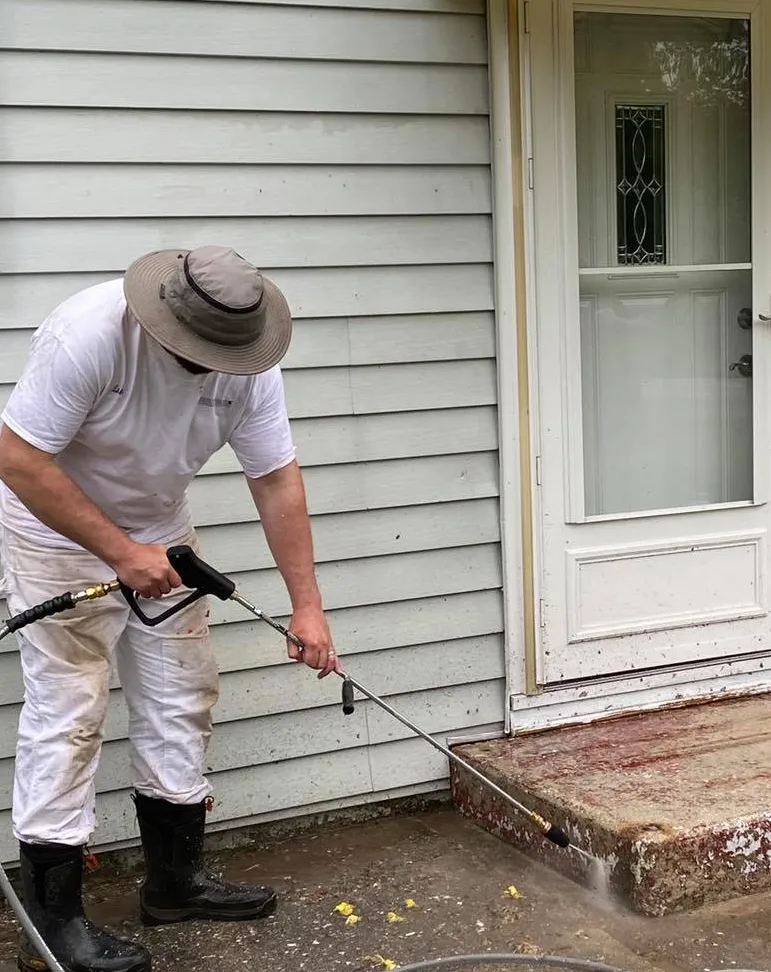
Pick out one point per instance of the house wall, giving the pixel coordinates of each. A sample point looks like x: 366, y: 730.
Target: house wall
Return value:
x: 346, y: 150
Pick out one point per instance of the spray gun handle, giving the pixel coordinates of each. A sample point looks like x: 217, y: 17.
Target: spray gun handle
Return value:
x: 199, y: 575
x: 195, y: 573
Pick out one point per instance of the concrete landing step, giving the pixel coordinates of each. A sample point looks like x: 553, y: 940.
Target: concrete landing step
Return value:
x: 675, y: 804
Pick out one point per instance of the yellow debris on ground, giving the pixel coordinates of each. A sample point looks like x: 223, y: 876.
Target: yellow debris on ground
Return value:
x: 344, y: 908
x: 409, y: 903
x: 353, y: 919
x: 393, y: 918
x: 385, y: 963
x: 511, y: 892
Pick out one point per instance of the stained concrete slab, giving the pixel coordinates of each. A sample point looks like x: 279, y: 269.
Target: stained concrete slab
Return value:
x: 457, y: 875
x: 675, y: 803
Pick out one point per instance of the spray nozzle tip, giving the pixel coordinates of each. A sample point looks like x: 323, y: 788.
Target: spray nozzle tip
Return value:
x: 558, y: 836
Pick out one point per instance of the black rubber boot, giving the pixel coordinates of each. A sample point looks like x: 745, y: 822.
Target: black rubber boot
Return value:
x: 52, y: 893
x: 176, y: 886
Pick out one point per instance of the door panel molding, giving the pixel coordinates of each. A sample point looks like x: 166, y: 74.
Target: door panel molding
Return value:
x: 685, y: 593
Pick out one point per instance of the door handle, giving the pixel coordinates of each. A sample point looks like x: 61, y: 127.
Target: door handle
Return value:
x: 743, y: 366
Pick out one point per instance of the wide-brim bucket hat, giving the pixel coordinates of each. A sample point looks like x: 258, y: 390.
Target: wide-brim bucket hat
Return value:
x: 211, y: 307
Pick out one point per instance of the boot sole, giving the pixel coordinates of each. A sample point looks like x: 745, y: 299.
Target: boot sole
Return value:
x: 152, y: 917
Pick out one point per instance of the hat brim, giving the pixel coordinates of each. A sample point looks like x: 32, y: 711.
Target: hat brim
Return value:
x: 142, y: 288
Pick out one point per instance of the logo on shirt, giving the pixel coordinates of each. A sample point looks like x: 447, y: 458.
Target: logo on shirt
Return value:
x: 117, y: 389
x: 215, y: 402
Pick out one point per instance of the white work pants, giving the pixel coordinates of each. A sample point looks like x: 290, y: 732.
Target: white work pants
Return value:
x: 168, y: 675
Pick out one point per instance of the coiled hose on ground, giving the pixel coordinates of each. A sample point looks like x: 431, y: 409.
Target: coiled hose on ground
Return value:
x: 517, y: 958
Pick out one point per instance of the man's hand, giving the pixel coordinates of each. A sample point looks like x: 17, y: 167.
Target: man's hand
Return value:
x: 145, y: 568
x: 310, y: 626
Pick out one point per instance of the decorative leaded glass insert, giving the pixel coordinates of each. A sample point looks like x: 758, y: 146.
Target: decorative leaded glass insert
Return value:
x: 640, y: 202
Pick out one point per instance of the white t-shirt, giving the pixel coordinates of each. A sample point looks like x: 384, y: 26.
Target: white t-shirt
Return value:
x: 128, y: 424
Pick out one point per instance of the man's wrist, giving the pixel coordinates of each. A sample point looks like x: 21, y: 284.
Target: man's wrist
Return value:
x: 310, y: 601
x: 119, y: 549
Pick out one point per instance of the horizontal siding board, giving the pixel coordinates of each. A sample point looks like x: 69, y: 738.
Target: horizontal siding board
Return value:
x: 15, y: 345
x: 426, y: 289
x: 388, y: 388
x: 390, y: 340
x: 368, y: 628
x: 366, y: 584
x: 334, y: 343
x: 408, y: 761
x: 26, y: 299
x: 81, y: 191
x: 371, y: 389
x: 292, y: 783
x: 357, y: 486
x: 247, y: 644
x: 252, y: 794
x: 254, y: 742
x: 257, y: 30
x: 247, y: 695
x: 362, y: 438
x: 429, y: 337
x: 375, y: 580
x: 138, y: 81
x: 72, y: 246
x: 77, y: 135
x: 372, y: 533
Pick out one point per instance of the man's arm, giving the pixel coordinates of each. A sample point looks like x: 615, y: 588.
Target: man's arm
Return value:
x: 281, y: 504
x: 50, y: 495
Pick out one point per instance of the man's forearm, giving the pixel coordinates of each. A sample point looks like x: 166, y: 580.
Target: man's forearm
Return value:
x: 49, y: 493
x: 281, y: 503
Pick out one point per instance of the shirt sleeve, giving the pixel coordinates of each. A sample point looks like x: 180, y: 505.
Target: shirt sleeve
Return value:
x: 53, y: 397
x: 262, y: 439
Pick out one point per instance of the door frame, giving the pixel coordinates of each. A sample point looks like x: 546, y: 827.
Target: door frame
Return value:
x: 532, y: 706
x: 513, y: 383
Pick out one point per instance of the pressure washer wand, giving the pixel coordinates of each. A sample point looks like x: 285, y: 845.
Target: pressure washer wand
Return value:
x: 549, y: 830
x: 196, y: 573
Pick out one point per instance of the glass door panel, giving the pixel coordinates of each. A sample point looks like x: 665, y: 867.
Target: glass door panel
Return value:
x: 664, y: 223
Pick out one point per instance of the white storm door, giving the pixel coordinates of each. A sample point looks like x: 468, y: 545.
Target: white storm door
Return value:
x: 650, y: 138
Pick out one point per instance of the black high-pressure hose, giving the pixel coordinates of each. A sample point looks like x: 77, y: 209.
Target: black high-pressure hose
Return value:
x: 517, y: 958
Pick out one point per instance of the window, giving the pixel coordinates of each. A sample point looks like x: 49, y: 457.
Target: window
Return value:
x: 640, y: 200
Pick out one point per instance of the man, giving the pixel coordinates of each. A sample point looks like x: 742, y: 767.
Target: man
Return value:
x: 130, y: 387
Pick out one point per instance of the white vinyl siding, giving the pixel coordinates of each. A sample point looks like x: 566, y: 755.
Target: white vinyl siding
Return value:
x: 346, y: 150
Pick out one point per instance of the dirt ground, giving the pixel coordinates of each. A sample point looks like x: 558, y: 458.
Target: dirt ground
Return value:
x: 456, y: 875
